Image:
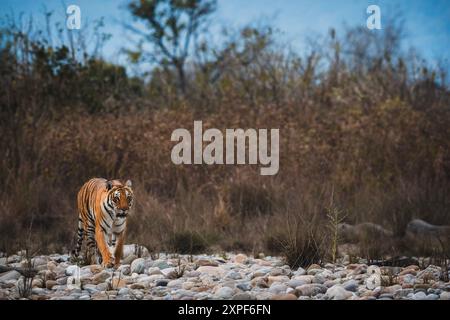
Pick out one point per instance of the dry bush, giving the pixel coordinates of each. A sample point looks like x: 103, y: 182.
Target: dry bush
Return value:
x: 188, y: 242
x: 302, y: 242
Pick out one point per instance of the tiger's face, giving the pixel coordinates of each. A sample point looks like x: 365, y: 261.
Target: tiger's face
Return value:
x: 121, y: 198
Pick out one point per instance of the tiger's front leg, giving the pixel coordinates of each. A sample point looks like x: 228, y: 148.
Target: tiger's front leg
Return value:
x: 103, y: 248
x: 119, y: 249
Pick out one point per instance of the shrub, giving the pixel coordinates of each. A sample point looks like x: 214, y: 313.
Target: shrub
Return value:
x: 188, y: 242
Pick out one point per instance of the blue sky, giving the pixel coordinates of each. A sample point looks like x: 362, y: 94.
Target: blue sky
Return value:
x: 427, y: 22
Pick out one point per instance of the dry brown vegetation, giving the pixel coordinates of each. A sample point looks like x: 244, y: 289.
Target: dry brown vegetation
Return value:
x: 356, y: 116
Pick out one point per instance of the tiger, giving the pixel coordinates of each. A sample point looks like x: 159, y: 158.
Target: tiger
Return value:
x: 103, y: 207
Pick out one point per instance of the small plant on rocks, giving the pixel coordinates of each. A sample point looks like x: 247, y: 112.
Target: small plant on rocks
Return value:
x: 335, y: 217
x: 180, y: 269
x: 25, y: 283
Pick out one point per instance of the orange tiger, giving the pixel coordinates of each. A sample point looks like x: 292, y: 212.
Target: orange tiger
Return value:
x: 103, y: 207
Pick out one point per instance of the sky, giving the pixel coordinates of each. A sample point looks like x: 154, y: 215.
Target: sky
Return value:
x: 427, y: 22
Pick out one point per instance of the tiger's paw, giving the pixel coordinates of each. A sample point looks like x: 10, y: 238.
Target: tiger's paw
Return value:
x: 108, y: 264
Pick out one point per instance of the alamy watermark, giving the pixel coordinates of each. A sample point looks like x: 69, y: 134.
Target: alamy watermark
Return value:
x: 73, y: 21
x: 236, y: 142
x: 374, y: 20
x: 73, y: 13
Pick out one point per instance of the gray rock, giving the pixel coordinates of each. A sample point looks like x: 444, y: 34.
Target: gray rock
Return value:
x: 403, y: 293
x: 162, y: 282
x: 138, y: 266
x: 432, y: 297
x: 330, y: 283
x: 243, y: 296
x: 261, y: 272
x: 59, y: 288
x: 419, y: 296
x: 153, y: 270
x: 233, y: 275
x: 205, y: 261
x: 435, y: 291
x: 14, y: 258
x: 277, y: 288
x: 60, y: 258
x: 351, y: 285
x: 64, y: 298
x: 420, y: 227
x: 102, y: 286
x: 327, y: 274
x: 390, y: 296
x: 337, y: 292
x: 300, y: 272
x: 161, y: 264
x: 212, y: 271
x: 373, y: 281
x: 129, y: 259
x: 431, y: 272
x: 245, y: 286
x: 445, y: 295
x: 313, y: 272
x: 138, y: 295
x: 294, y: 283
x: 192, y: 274
x: 354, y: 233
x: 123, y: 291
x: 409, y: 279
x: 38, y: 291
x: 182, y: 294
x: 129, y: 249
x: 62, y: 281
x: 151, y: 278
x: 310, y: 290
x: 290, y: 290
x: 305, y: 278
x: 90, y: 288
x: 225, y: 293
x: 175, y: 283
x: 319, y: 278
x: 125, y: 269
x: 170, y: 273
x: 9, y: 275
x: 86, y: 273
x: 39, y: 261
x: 73, y: 270
x: 341, y: 273
x: 279, y: 272
x: 101, y: 277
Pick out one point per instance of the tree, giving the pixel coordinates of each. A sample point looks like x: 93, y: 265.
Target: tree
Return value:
x: 172, y: 26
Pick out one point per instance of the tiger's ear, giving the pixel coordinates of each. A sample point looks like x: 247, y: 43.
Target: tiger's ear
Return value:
x: 128, y: 183
x: 109, y: 185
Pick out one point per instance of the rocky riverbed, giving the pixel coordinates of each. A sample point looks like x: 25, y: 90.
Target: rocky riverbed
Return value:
x: 228, y: 276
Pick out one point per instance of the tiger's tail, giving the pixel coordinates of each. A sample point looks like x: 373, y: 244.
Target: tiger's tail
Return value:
x: 80, y: 237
